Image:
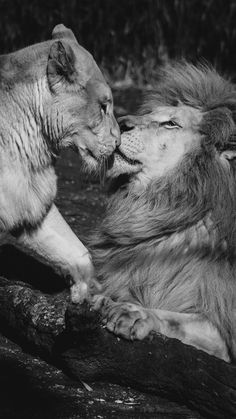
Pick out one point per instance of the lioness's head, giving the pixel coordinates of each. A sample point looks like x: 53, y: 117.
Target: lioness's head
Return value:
x: 79, y: 111
x: 192, y: 113
x: 59, y: 90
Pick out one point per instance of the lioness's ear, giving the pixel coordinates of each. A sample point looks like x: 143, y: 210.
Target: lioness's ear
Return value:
x: 62, y: 32
x: 61, y: 64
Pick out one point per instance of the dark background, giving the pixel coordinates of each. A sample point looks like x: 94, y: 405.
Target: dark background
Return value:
x: 129, y: 37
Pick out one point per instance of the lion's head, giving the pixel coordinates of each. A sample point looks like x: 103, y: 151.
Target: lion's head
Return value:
x: 192, y: 113
x: 156, y: 142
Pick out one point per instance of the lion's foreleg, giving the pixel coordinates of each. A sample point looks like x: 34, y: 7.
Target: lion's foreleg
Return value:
x: 191, y: 329
x: 132, y: 321
x: 55, y: 244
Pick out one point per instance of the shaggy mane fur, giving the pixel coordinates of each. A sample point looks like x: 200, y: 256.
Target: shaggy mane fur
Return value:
x: 197, y: 86
x: 173, y: 247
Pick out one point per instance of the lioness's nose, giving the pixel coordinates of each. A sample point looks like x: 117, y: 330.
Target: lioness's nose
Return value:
x: 118, y: 141
x: 115, y: 131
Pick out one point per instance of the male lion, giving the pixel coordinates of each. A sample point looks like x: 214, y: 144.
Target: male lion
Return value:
x: 165, y: 251
x: 53, y: 95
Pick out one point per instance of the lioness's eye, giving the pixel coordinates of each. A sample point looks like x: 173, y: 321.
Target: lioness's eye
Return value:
x: 169, y: 124
x: 103, y: 108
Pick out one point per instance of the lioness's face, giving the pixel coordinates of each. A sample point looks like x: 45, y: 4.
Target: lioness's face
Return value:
x: 81, y: 106
x: 156, y: 142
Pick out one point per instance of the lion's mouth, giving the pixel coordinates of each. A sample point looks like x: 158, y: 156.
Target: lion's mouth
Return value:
x: 119, y: 163
x: 132, y: 162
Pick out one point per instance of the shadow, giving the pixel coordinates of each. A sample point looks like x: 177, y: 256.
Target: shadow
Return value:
x: 15, y: 265
x: 28, y: 391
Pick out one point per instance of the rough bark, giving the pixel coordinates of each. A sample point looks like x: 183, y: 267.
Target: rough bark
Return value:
x: 71, y: 337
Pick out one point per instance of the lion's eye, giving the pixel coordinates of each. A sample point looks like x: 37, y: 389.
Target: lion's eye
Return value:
x: 169, y: 124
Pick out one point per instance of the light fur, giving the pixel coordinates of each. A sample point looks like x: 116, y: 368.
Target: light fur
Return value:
x: 53, y: 96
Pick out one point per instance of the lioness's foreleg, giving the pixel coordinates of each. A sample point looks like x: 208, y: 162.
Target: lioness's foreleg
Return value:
x: 55, y: 244
x: 132, y: 321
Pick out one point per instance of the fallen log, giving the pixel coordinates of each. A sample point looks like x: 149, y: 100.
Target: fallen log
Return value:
x: 71, y: 337
x: 31, y: 388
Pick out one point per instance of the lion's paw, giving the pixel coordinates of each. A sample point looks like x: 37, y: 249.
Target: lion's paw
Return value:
x: 126, y: 320
x: 102, y: 304
x: 130, y: 322
x: 142, y: 328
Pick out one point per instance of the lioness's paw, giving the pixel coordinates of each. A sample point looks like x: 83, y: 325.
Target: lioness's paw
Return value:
x: 83, y: 282
x: 79, y: 292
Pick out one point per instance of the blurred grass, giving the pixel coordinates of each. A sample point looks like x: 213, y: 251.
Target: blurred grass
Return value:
x: 129, y: 38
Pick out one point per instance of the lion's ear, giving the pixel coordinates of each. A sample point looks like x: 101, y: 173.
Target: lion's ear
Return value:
x: 61, y: 64
x: 62, y: 32
x: 228, y: 155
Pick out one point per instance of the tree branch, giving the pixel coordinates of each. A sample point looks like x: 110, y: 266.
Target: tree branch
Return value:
x: 71, y: 337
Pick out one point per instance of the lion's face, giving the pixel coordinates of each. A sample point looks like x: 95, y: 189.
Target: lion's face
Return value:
x: 80, y: 109
x: 156, y: 142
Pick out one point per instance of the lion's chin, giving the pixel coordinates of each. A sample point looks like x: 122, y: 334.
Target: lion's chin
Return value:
x: 122, y: 164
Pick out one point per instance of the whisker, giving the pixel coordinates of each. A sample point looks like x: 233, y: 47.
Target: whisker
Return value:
x: 103, y: 171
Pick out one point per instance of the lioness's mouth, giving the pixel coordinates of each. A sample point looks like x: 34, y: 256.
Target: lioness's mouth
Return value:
x: 84, y: 152
x: 89, y: 152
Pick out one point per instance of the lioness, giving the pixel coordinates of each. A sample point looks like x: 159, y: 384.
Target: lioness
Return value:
x: 165, y: 252
x: 53, y: 95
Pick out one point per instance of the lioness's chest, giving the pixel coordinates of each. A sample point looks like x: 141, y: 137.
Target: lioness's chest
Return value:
x: 25, y: 197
